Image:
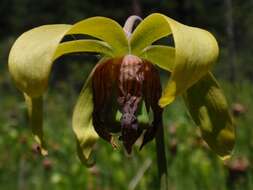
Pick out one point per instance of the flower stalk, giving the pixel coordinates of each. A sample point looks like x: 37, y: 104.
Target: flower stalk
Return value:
x: 161, y: 159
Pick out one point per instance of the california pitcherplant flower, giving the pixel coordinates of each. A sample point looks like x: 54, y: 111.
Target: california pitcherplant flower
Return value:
x: 124, y: 86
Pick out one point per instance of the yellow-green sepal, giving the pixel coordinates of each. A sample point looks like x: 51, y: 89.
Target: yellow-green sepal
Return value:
x: 35, y: 113
x: 77, y: 46
x: 162, y: 56
x: 209, y: 110
x: 196, y: 51
x: 104, y: 29
x: 82, y: 124
x: 30, y: 58
x: 32, y: 55
x: 148, y: 31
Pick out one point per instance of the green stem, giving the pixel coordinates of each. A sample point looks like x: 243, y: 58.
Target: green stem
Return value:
x: 161, y: 159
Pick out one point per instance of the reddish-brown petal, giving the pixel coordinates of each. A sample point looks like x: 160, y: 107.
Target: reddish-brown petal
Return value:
x: 136, y: 80
x: 102, y: 81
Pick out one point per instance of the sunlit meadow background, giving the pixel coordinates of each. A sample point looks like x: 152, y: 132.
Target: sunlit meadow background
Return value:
x: 191, y: 164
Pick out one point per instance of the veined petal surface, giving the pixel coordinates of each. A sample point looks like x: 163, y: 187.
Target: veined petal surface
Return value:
x: 30, y: 58
x: 209, y: 110
x: 196, y: 51
x: 104, y: 29
x: 162, y: 56
x: 82, y: 124
x: 35, y: 113
x: 77, y: 46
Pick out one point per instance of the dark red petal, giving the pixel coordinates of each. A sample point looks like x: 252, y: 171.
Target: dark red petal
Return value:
x: 102, y: 83
x: 152, y: 93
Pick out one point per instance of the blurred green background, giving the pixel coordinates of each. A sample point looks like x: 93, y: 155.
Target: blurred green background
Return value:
x: 191, y: 164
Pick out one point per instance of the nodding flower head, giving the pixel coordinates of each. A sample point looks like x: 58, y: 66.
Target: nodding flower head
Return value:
x: 124, y: 88
x: 133, y: 81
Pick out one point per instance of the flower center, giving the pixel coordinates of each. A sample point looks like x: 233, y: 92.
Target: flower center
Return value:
x: 130, y: 82
x: 136, y: 80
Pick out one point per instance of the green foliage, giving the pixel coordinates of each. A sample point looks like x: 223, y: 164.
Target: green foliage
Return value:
x: 190, y: 163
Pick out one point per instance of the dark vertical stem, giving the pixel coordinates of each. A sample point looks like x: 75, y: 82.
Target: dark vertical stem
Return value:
x: 185, y: 10
x: 22, y: 185
x: 161, y: 159
x: 136, y: 7
x: 231, y: 40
